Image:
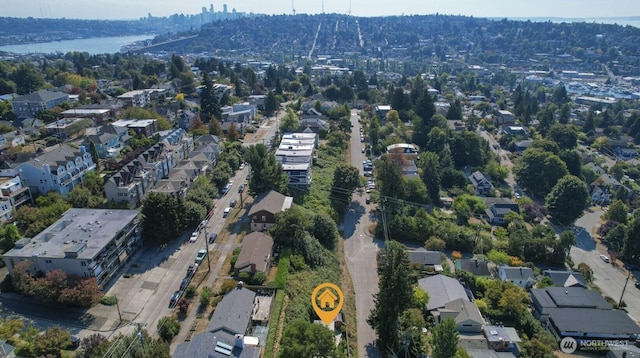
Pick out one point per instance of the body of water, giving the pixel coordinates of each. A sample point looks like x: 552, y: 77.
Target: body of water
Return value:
x: 95, y: 45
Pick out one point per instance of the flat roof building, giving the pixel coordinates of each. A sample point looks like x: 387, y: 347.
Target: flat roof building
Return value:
x: 83, y: 242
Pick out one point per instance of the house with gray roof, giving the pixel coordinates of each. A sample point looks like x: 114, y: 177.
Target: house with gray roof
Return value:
x: 481, y: 184
x: 27, y: 106
x: 225, y: 335
x: 421, y: 258
x: 565, y: 297
x: 521, y: 276
x: 442, y: 290
x: 588, y: 323
x: 465, y: 313
x: 255, y: 253
x: 264, y: 209
x: 60, y: 169
x: 473, y: 266
x: 498, y: 208
x: 566, y: 278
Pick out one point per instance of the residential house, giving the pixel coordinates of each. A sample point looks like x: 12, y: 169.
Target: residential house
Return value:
x: 315, y: 124
x: 29, y: 126
x: 588, y: 323
x: 504, y: 117
x: 11, y: 139
x: 603, y: 188
x: 106, y: 144
x: 178, y: 141
x: 498, y: 208
x: 442, y: 290
x: 626, y: 153
x: 207, y: 147
x: 521, y: 146
x: 382, y: 111
x: 14, y: 194
x: 464, y: 312
x: 69, y: 127
x: 514, y: 130
x: 97, y: 115
x: 136, y: 179
x: 140, y: 98
x: 264, y: 209
x: 473, y: 266
x: 27, y: 106
x: 502, y: 339
x: 226, y: 334
x: 566, y: 278
x: 521, y: 276
x: 565, y: 297
x: 257, y: 100
x: 185, y: 119
x: 408, y: 150
x: 422, y: 259
x: 7, y: 350
x: 145, y: 127
x: 595, y: 167
x: 255, y: 253
x: 481, y: 184
x: 83, y: 242
x: 60, y: 169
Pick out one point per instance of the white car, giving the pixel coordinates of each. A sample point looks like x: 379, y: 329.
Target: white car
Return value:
x: 241, y: 166
x: 194, y: 236
x: 604, y: 258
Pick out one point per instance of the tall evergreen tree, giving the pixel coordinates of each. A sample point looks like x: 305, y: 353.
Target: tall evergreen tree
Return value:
x: 209, y: 106
x: 393, y: 297
x: 430, y: 174
x: 445, y: 339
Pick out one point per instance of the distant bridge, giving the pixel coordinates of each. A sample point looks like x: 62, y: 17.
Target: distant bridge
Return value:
x: 160, y: 44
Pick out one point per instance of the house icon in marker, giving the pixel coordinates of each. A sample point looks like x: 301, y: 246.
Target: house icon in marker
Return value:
x: 327, y: 299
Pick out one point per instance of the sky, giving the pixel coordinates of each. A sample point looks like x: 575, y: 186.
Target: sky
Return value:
x: 133, y: 9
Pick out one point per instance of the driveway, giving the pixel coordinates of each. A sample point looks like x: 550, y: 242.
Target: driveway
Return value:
x: 609, y: 278
x: 360, y: 251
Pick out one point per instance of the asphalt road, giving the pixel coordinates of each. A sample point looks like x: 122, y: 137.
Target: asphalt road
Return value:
x: 360, y: 251
x: 609, y: 278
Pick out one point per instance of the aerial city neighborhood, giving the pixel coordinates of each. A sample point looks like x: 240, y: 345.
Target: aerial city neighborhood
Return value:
x: 472, y: 196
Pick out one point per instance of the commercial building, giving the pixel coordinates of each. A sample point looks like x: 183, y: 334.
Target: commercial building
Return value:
x: 83, y: 242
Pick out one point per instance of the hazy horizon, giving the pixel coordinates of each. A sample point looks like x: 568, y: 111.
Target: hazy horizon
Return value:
x: 127, y: 9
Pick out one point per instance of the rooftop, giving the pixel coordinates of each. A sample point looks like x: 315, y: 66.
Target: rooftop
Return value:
x: 80, y: 233
x: 271, y: 202
x: 442, y: 290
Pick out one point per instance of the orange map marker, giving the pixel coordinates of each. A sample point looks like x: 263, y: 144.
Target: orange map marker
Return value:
x: 327, y: 300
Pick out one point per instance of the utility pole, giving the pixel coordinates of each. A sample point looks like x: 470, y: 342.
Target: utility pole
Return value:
x: 624, y: 289
x: 206, y: 242
x: 118, y: 308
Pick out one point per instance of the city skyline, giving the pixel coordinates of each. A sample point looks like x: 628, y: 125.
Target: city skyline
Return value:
x: 126, y: 9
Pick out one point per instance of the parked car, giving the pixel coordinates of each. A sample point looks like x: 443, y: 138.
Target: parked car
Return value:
x: 174, y: 298
x: 637, y: 284
x: 241, y: 188
x: 227, y: 211
x: 184, y: 283
x: 201, y: 255
x: 368, y: 200
x: 604, y: 258
x: 242, y: 166
x: 192, y: 269
x: 213, y: 237
x: 233, y: 203
x: 194, y: 236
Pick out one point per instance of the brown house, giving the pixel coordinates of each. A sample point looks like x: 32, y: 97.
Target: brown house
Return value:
x: 264, y: 209
x: 255, y: 253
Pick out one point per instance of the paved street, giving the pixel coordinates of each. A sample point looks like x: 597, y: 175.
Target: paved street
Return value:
x: 608, y: 277
x: 361, y: 250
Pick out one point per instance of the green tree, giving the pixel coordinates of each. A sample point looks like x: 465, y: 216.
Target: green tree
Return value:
x: 617, y: 212
x: 9, y: 235
x: 290, y: 226
x: 162, y: 218
x: 539, y: 171
x: 445, y: 339
x: 270, y: 103
x: 567, y: 199
x: 27, y: 79
x: 325, y: 230
x: 266, y: 172
x: 393, y: 297
x: 52, y: 342
x: 565, y: 135
x: 414, y: 341
x: 346, y: 179
x: 289, y: 122
x: 209, y: 106
x: 168, y: 328
x: 631, y: 247
x: 586, y: 272
x: 304, y: 339
x: 429, y: 164
x: 94, y: 155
